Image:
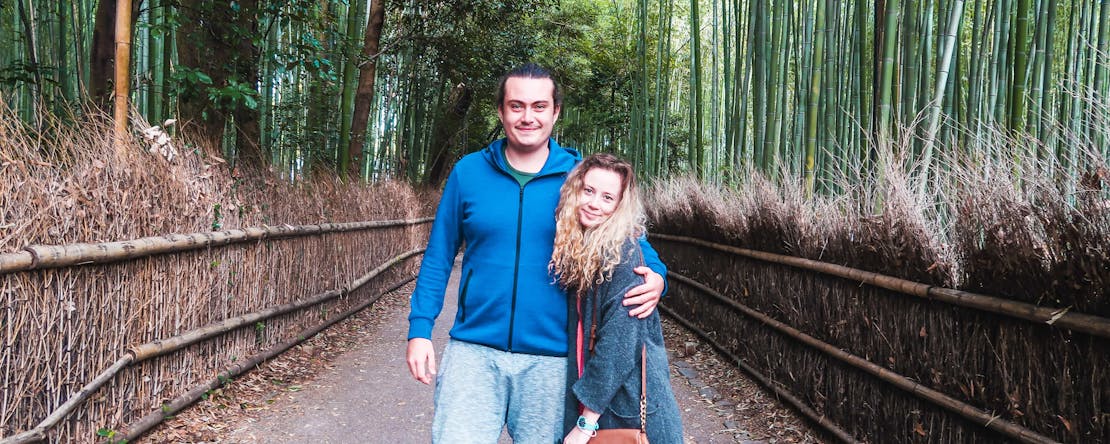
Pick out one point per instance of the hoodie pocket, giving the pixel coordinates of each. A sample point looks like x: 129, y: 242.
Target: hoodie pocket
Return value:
x: 462, y: 296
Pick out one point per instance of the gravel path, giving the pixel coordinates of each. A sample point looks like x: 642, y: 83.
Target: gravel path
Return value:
x: 351, y: 385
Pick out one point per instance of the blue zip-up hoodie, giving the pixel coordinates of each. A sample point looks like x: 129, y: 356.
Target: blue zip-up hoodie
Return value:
x: 507, y: 298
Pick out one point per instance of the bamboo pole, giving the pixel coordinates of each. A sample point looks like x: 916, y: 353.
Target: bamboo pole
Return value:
x: 160, y: 347
x: 986, y: 419
x: 179, y: 403
x: 122, y: 73
x: 779, y: 391
x: 57, y: 256
x: 149, y: 350
x: 1058, y: 317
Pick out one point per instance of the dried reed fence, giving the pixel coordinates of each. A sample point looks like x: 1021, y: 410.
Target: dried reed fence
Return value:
x: 61, y: 327
x: 813, y: 298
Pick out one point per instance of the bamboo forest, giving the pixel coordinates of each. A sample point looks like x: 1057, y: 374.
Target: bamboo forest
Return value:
x: 877, y: 221
x: 812, y: 89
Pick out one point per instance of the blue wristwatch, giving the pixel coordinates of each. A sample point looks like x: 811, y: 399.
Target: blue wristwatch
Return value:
x: 589, y: 427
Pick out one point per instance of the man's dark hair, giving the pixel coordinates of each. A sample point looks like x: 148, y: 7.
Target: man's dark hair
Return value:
x: 529, y: 71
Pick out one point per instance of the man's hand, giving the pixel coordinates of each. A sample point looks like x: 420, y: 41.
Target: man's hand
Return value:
x: 421, y: 356
x: 646, y: 295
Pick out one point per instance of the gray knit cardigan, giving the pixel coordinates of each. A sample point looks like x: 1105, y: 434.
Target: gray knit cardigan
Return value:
x: 610, y: 381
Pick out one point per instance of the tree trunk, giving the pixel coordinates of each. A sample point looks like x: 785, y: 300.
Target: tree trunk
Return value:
x: 249, y: 134
x: 218, y: 43
x: 356, y: 15
x: 365, y: 93
x: 198, y: 117
x: 452, y: 124
x: 696, y: 152
x: 1021, y: 62
x: 156, y: 55
x: 101, y: 53
x: 27, y: 18
x: 814, y: 96
x: 886, y: 96
x: 938, y: 94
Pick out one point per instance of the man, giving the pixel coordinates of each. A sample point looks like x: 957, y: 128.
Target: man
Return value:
x: 505, y: 364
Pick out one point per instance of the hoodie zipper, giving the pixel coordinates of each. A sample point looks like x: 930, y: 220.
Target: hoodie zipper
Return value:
x: 516, y: 263
x: 462, y: 297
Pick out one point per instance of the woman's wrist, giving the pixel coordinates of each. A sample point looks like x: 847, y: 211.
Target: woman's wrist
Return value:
x: 587, y: 426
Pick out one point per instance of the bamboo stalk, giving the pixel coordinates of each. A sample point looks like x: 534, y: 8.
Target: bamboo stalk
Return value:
x: 179, y: 403
x: 779, y: 391
x: 122, y: 75
x: 358, y: 283
x: 986, y: 419
x: 1058, y: 317
x: 58, y: 256
x: 15, y: 261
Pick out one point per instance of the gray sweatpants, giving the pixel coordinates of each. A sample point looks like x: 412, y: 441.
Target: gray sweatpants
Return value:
x: 480, y: 389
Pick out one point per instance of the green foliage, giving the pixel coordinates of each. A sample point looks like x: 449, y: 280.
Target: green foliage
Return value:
x: 259, y: 332
x: 234, y: 95
x: 217, y: 217
x: 110, y: 435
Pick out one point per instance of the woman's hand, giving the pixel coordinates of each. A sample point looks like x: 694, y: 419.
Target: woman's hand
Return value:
x: 576, y: 436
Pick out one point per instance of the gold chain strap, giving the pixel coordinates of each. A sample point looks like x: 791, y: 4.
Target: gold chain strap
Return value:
x: 643, y: 389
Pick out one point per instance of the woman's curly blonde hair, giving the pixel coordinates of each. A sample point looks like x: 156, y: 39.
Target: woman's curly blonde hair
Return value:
x: 586, y: 257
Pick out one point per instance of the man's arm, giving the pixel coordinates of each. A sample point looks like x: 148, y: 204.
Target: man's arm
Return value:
x: 647, y: 295
x: 431, y: 284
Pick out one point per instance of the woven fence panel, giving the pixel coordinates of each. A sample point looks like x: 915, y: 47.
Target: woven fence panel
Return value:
x: 1037, y: 376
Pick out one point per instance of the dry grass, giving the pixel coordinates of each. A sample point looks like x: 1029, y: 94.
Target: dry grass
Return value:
x: 59, y: 328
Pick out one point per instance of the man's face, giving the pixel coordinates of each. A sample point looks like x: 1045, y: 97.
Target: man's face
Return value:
x: 528, y: 112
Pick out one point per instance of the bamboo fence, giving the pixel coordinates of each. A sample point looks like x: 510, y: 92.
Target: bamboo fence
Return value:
x: 780, y: 391
x: 69, y: 308
x: 68, y: 313
x: 985, y: 419
x: 840, y: 338
x: 136, y: 429
x: 1059, y: 317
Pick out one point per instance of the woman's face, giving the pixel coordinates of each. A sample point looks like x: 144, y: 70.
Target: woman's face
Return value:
x: 600, y: 195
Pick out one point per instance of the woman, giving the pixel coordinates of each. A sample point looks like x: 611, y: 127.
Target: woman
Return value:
x: 598, y: 222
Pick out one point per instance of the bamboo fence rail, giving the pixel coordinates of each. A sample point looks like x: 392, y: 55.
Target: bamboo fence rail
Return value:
x: 1085, y: 323
x: 152, y: 419
x: 152, y: 349
x: 767, y: 382
x: 969, y: 412
x: 35, y: 257
x: 149, y: 350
